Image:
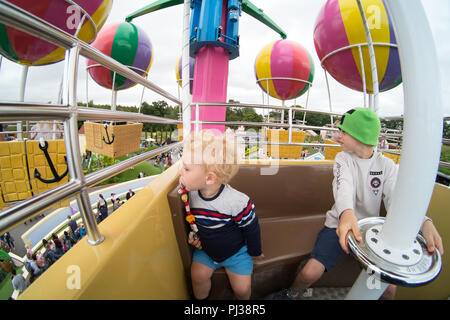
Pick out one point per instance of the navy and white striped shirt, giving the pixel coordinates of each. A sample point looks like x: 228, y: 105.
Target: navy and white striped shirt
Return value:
x: 226, y: 222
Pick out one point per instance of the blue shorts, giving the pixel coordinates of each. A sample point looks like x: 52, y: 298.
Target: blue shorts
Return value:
x: 240, y: 263
x: 327, y: 249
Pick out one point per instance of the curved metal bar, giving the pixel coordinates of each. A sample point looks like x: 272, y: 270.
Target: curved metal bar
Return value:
x: 282, y: 78
x: 373, y: 61
x: 355, y: 46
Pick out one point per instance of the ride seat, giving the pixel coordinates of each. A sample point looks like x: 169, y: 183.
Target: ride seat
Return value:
x: 291, y: 207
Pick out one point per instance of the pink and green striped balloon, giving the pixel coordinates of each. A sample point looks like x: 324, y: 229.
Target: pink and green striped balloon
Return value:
x: 26, y: 49
x: 126, y: 43
x: 284, y: 59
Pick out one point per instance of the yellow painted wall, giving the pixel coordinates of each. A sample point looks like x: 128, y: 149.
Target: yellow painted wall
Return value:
x: 439, y: 212
x: 139, y: 258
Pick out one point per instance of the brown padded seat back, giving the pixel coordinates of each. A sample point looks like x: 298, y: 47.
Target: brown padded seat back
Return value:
x: 292, y: 191
x: 291, y: 207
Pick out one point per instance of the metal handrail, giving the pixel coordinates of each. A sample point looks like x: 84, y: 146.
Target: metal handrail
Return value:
x: 262, y: 106
x: 21, y: 111
x: 266, y: 124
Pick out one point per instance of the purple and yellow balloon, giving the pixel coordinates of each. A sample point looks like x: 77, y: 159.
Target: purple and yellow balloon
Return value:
x: 284, y: 59
x: 25, y: 49
x: 338, y: 25
x: 129, y: 45
x: 179, y: 72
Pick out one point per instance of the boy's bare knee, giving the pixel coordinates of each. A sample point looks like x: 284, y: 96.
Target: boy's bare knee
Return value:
x: 389, y: 293
x: 200, y: 275
x: 311, y: 272
x: 242, y: 292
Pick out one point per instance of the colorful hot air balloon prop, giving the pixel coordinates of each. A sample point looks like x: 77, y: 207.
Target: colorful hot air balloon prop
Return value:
x: 179, y: 71
x: 338, y: 25
x: 28, y: 50
x: 284, y: 59
x: 129, y: 45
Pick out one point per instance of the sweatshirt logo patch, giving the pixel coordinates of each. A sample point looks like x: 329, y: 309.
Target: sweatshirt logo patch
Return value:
x: 375, y: 183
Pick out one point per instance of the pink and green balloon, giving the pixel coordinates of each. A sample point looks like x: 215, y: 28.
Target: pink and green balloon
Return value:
x: 129, y: 45
x: 26, y: 49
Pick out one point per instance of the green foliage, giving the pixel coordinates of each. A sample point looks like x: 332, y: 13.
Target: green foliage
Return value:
x: 445, y: 157
x: 157, y: 108
x: 446, y: 130
x: 312, y: 119
x: 246, y: 114
x: 160, y: 109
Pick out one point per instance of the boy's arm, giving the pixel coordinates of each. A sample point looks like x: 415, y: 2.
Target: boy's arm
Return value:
x: 343, y: 191
x: 432, y: 237
x: 248, y: 222
x: 347, y: 223
x: 343, y: 186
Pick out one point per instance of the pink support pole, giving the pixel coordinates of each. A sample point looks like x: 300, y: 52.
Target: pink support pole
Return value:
x: 211, y: 81
x: 210, y: 85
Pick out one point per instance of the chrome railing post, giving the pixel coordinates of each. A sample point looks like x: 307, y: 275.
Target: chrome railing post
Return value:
x: 290, y: 125
x: 197, y: 120
x: 373, y: 62
x: 363, y: 72
x: 73, y: 146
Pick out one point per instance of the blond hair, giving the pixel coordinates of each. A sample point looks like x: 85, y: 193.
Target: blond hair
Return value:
x: 216, y: 153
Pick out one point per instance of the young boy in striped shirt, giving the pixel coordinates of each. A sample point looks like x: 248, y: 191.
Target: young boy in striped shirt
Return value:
x: 228, y: 229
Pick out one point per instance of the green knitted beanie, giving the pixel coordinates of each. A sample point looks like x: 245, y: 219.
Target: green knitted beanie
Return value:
x: 362, y: 124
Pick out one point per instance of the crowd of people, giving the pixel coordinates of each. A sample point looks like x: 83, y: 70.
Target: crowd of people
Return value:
x: 102, y: 204
x: 36, y: 263
x: 164, y: 160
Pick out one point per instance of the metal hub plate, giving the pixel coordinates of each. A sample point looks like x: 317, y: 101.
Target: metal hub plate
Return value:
x: 423, y: 271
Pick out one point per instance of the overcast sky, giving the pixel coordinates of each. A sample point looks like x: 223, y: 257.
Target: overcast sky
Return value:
x: 164, y: 28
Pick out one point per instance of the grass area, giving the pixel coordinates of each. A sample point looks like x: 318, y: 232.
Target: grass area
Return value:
x: 6, y: 289
x: 133, y: 173
x: 445, y: 156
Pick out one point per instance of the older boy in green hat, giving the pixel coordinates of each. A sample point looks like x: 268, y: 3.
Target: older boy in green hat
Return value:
x: 362, y: 179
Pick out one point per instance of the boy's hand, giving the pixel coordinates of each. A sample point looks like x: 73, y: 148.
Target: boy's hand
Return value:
x: 432, y: 237
x: 194, y: 241
x: 347, y: 223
